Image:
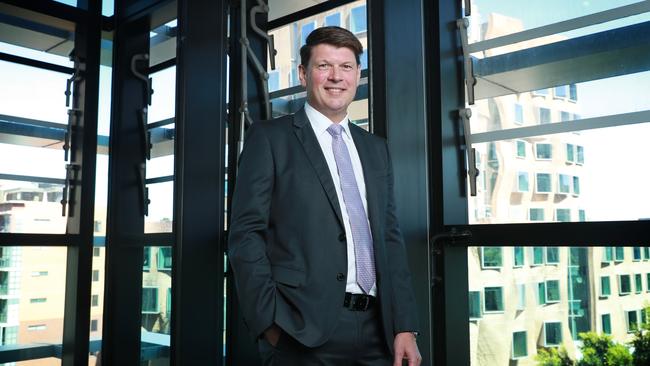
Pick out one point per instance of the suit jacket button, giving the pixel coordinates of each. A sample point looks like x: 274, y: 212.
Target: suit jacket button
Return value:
x: 340, y: 276
x: 342, y: 237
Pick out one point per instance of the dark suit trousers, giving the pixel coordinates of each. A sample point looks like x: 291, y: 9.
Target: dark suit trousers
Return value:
x: 357, y: 341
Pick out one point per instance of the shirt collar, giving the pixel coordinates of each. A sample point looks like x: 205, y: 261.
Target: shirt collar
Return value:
x: 320, y: 123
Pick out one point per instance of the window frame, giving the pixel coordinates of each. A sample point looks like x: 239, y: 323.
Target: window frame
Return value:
x: 500, y: 300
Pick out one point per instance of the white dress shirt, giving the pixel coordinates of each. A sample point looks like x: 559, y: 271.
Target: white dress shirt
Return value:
x: 319, y: 124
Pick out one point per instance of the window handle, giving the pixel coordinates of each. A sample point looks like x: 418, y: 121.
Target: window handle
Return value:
x: 79, y: 67
x: 73, y: 115
x: 470, y: 152
x: 146, y: 134
x: 144, y: 191
x: 470, y: 80
x: 148, y: 91
x: 67, y: 199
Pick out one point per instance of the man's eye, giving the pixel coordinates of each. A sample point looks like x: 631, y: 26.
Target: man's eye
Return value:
x: 347, y: 67
x: 323, y: 67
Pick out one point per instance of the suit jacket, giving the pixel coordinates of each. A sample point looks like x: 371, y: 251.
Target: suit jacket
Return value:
x: 287, y: 244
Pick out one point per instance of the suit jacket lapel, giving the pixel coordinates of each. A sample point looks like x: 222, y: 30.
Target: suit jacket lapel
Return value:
x: 307, y: 138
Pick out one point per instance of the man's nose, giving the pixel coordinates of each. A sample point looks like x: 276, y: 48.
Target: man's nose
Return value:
x: 335, y: 73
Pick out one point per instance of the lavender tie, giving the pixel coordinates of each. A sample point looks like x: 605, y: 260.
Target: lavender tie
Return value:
x: 363, y: 250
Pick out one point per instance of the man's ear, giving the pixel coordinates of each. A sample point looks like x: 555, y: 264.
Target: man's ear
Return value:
x: 302, y: 75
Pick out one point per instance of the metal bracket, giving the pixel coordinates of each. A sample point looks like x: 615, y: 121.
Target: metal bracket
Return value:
x: 148, y: 91
x: 67, y: 199
x: 144, y: 191
x: 472, y: 171
x: 468, y: 7
x: 79, y: 68
x: 146, y: 134
x: 453, y: 236
x: 73, y: 115
x: 470, y: 80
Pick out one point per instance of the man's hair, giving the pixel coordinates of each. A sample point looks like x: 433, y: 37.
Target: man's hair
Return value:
x: 334, y: 36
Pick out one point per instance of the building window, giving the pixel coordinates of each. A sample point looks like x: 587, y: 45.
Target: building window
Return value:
x: 493, y: 299
x: 519, y: 258
x: 573, y: 92
x: 606, y: 321
x: 521, y: 296
x: 580, y: 152
x: 39, y: 273
x: 519, y: 114
x: 96, y: 252
x: 552, y: 291
x: 619, y: 254
x: 541, y: 293
x: 563, y: 214
x: 576, y: 185
x: 305, y: 30
x: 538, y: 255
x: 363, y: 58
x: 544, y: 115
x: 333, y: 20
x: 638, y: 283
x: 543, y: 183
x: 540, y: 92
x: 636, y: 254
x: 164, y: 258
x: 521, y: 148
x: 93, y: 325
x: 358, y: 21
x: 605, y: 286
x: 94, y: 300
x: 36, y: 327
x: 646, y: 253
x: 536, y: 214
x: 522, y: 181
x: 519, y: 345
x: 564, y: 184
x: 552, y: 334
x: 570, y: 153
x: 274, y: 80
x: 582, y: 215
x: 560, y: 91
x: 624, y: 285
x: 632, y: 318
x: 552, y: 255
x: 565, y: 116
x: 150, y: 300
x: 608, y: 254
x: 543, y: 151
x: 474, y: 305
x: 647, y: 288
x: 38, y: 300
x: 146, y: 259
x: 491, y: 257
x: 95, y: 275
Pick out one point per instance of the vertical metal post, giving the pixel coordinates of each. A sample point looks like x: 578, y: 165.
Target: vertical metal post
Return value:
x: 76, y: 325
x: 125, y: 220
x: 198, y: 271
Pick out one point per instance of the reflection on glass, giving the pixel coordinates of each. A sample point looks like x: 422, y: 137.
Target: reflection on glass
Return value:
x: 27, y: 207
x: 32, y: 288
x: 163, y: 100
x: 156, y: 298
x: 517, y: 307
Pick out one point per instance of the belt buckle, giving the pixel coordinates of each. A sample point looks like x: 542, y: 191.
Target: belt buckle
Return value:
x: 362, y: 303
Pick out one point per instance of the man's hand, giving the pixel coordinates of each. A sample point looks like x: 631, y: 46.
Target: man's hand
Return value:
x: 406, y: 349
x: 272, y: 334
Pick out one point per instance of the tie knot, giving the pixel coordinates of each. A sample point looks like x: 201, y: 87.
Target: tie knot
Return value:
x: 335, y: 129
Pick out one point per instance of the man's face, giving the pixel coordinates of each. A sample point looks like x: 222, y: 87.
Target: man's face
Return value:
x: 331, y: 78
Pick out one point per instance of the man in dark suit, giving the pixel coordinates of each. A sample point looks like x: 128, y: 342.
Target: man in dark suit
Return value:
x: 317, y: 254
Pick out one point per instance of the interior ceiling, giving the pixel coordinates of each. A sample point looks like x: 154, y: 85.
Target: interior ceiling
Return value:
x: 27, y: 29
x: 280, y: 8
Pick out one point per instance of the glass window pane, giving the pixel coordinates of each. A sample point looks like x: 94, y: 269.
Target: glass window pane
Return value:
x: 161, y: 208
x: 543, y: 151
x: 333, y: 19
x: 619, y: 254
x: 536, y: 214
x: 492, y: 257
x: 521, y: 149
x: 552, y: 255
x: 632, y: 321
x: 636, y: 253
x: 552, y: 334
x: 638, y: 283
x: 605, y: 287
x: 519, y: 258
x: 493, y: 299
x: 474, y: 304
x: 606, y: 320
x: 552, y: 291
x: 358, y: 21
x: 519, y: 345
x: 624, y: 284
x: 156, y: 296
x: 522, y: 182
x: 538, y: 255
